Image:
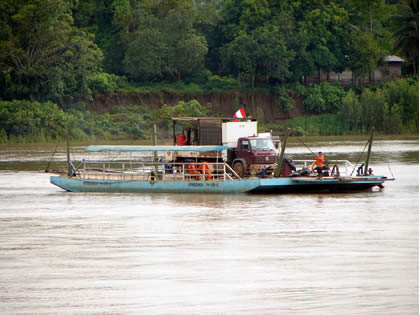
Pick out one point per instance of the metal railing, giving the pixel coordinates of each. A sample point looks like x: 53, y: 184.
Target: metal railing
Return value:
x: 344, y: 166
x: 146, y: 170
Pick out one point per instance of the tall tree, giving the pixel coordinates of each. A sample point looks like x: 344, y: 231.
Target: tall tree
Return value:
x: 98, y: 17
x: 367, y: 10
x: 407, y: 33
x: 364, y: 55
x: 323, y: 31
x: 162, y: 41
x: 43, y: 54
x: 259, y: 55
x: 255, y: 41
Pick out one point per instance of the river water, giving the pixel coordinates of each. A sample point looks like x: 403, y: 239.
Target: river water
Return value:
x: 92, y: 253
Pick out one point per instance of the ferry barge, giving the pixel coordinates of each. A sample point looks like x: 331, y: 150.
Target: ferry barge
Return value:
x: 204, y: 177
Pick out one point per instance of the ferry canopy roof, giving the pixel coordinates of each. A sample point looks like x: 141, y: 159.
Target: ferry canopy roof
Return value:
x: 157, y: 148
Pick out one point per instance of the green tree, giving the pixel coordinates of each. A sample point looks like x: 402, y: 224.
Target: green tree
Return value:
x: 101, y: 17
x: 324, y: 28
x: 32, y: 121
x: 407, y: 32
x: 44, y: 56
x: 255, y: 41
x: 144, y: 55
x: 323, y: 98
x: 164, y: 42
x: 404, y: 95
x: 350, y: 111
x: 191, y: 108
x: 367, y: 11
x: 364, y: 55
x: 314, y: 101
x: 374, y: 109
x: 262, y: 53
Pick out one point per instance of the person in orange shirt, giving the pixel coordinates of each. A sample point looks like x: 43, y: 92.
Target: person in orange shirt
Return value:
x: 319, y: 163
x: 193, y: 171
x: 204, y: 168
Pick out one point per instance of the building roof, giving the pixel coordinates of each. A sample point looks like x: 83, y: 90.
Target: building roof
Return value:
x: 393, y: 59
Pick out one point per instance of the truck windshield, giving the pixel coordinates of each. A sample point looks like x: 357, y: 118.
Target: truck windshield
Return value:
x: 262, y: 145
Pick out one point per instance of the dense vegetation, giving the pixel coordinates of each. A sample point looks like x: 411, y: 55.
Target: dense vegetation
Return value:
x: 56, y: 54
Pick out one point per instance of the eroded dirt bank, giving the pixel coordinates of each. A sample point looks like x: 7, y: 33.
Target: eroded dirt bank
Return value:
x: 221, y: 103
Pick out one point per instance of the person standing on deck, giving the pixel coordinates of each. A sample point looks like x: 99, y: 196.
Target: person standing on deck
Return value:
x: 319, y: 163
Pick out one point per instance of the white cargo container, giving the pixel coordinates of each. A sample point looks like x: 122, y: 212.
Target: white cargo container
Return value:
x: 232, y: 131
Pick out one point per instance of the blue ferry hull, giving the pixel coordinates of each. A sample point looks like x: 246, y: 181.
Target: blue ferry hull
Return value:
x: 254, y: 185
x: 136, y: 186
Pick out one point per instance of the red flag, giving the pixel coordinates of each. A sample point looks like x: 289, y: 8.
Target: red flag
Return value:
x: 240, y: 113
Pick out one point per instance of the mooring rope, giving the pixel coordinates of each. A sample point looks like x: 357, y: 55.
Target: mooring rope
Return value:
x: 52, y: 156
x: 359, y: 158
x: 387, y: 162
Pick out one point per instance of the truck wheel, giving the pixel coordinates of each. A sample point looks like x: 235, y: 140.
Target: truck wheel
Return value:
x: 238, y: 167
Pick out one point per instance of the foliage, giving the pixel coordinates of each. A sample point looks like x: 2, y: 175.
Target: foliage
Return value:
x: 407, y: 32
x: 164, y: 41
x: 404, y: 96
x: 191, y: 108
x: 283, y: 99
x: 102, y: 82
x: 262, y: 52
x: 373, y: 104
x: 33, y: 121
x: 351, y: 111
x: 132, y: 120
x: 218, y: 83
x: 391, y: 109
x: 364, y: 54
x: 128, y: 121
x: 260, y: 115
x: 369, y: 14
x: 318, y: 125
x: 42, y: 56
x: 61, y: 52
x: 324, y: 28
x: 323, y: 98
x: 25, y: 121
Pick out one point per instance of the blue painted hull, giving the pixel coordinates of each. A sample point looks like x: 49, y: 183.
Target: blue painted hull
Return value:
x: 81, y: 185
x: 254, y: 185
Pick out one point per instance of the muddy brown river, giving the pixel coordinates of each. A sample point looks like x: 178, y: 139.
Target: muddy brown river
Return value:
x: 93, y: 253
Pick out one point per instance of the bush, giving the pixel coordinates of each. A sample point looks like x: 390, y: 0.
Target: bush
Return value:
x: 26, y: 121
x: 217, y: 83
x: 103, y: 82
x: 351, y: 111
x: 284, y: 100
x: 374, y: 108
x: 314, y: 101
x: 319, y: 125
x: 404, y: 93
x: 3, y: 136
x: 323, y: 98
x: 125, y: 122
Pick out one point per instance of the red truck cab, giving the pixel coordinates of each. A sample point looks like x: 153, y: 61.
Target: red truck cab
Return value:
x: 252, y: 155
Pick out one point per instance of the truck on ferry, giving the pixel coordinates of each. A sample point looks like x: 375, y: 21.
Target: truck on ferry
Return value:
x: 249, y: 152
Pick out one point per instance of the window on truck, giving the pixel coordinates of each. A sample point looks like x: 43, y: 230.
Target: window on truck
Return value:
x: 262, y: 145
x: 244, y: 145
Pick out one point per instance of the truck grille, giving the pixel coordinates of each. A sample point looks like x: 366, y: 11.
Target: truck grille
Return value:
x: 266, y: 159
